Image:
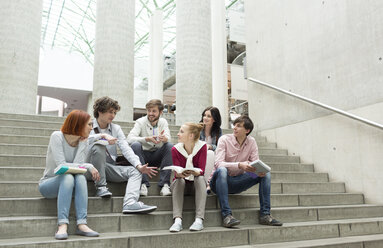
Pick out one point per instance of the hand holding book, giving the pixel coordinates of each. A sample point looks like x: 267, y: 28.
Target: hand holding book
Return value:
x: 183, y: 171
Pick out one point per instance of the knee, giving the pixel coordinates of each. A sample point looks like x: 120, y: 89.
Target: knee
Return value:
x: 80, y: 179
x: 222, y: 172
x: 67, y: 180
x: 135, y: 174
x: 267, y: 178
x: 168, y: 146
x: 136, y: 146
x: 179, y: 183
x: 98, y: 149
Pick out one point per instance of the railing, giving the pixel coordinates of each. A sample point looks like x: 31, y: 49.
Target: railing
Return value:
x: 339, y: 111
x: 240, y: 104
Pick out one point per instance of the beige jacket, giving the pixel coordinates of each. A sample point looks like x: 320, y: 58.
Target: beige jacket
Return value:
x: 142, y: 128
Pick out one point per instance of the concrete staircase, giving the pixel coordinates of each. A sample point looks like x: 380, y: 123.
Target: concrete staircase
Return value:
x: 316, y: 212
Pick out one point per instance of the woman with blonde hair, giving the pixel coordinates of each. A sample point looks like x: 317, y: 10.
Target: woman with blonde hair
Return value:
x: 67, y: 147
x: 190, y: 152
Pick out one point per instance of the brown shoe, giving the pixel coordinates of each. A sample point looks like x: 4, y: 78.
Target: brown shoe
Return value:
x: 269, y: 220
x: 230, y: 221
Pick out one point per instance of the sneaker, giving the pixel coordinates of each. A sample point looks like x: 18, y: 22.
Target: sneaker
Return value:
x: 143, y: 190
x: 230, y: 221
x: 103, y: 192
x: 165, y: 191
x: 196, y: 226
x: 176, y: 227
x: 138, y: 207
x: 269, y: 220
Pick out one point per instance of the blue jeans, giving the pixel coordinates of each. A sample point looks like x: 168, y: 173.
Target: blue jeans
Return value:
x: 62, y: 187
x: 159, y: 158
x: 222, y: 184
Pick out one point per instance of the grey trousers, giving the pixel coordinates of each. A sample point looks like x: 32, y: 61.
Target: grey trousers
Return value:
x: 159, y: 158
x: 114, y: 173
x: 180, y: 188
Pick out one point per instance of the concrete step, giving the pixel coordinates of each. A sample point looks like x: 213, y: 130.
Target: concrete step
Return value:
x: 28, y: 188
x: 33, y: 174
x: 42, y: 149
x: 362, y: 241
x: 39, y: 160
x: 246, y: 234
x: 30, y: 205
x: 44, y: 140
x: 26, y: 172
x: 236, y: 201
x: 31, y: 117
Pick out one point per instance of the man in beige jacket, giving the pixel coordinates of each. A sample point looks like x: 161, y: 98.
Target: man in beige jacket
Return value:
x: 149, y: 141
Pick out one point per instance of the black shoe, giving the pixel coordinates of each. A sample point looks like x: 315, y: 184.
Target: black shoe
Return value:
x: 230, y: 221
x: 269, y: 220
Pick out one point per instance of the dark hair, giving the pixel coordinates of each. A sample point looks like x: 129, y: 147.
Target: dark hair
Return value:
x: 216, y: 128
x: 103, y: 104
x: 75, y: 123
x: 247, y: 123
x: 194, y: 128
x: 155, y: 102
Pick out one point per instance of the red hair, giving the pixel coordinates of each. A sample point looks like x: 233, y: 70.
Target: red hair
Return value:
x: 75, y: 123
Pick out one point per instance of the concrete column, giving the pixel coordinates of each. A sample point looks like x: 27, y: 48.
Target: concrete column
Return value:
x: 20, y: 31
x: 114, y: 54
x: 156, y: 62
x: 193, y: 72
x: 219, y: 59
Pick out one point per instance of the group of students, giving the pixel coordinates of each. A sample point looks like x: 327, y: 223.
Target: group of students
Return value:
x: 82, y: 142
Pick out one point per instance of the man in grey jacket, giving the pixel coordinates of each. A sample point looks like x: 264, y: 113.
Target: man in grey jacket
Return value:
x: 149, y: 139
x: 103, y: 142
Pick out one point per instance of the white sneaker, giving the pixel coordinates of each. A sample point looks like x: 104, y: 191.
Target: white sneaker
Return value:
x: 144, y: 190
x: 196, y: 226
x: 176, y: 227
x: 165, y: 191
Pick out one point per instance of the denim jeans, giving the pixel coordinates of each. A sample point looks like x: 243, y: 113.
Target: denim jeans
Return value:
x: 63, y: 187
x: 222, y: 184
x: 159, y: 158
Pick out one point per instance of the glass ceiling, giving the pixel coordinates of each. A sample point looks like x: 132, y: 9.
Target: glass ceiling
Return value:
x: 70, y: 24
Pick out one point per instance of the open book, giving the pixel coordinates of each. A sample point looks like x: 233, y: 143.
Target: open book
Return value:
x: 180, y: 169
x: 69, y: 170
x: 260, y: 166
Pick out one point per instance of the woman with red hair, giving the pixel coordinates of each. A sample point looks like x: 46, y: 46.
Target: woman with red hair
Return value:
x: 68, y: 147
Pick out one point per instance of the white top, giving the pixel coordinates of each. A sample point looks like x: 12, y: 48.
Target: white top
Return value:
x: 209, y: 140
x: 61, y: 153
x: 142, y: 128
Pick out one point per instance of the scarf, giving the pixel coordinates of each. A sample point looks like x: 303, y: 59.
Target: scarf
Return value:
x: 189, y: 157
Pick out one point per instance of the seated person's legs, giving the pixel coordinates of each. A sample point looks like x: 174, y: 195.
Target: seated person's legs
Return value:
x: 264, y: 201
x: 132, y: 176
x: 178, y: 189
x: 97, y: 157
x: 137, y: 149
x: 219, y: 185
x: 200, y: 202
x: 160, y: 158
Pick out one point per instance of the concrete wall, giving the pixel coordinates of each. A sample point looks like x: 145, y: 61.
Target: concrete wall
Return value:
x: 331, y: 51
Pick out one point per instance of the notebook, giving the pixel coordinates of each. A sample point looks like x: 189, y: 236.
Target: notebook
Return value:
x: 69, y: 170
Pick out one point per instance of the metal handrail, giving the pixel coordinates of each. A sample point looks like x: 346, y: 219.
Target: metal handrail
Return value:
x: 239, y: 104
x: 339, y: 111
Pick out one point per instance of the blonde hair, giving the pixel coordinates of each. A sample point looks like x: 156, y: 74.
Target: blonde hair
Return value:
x: 194, y: 128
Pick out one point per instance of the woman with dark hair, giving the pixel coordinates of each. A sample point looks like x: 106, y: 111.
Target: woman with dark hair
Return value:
x: 211, y: 119
x: 68, y: 147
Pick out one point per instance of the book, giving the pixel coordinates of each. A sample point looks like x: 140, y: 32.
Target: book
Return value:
x: 180, y: 169
x: 69, y: 170
x: 260, y: 166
